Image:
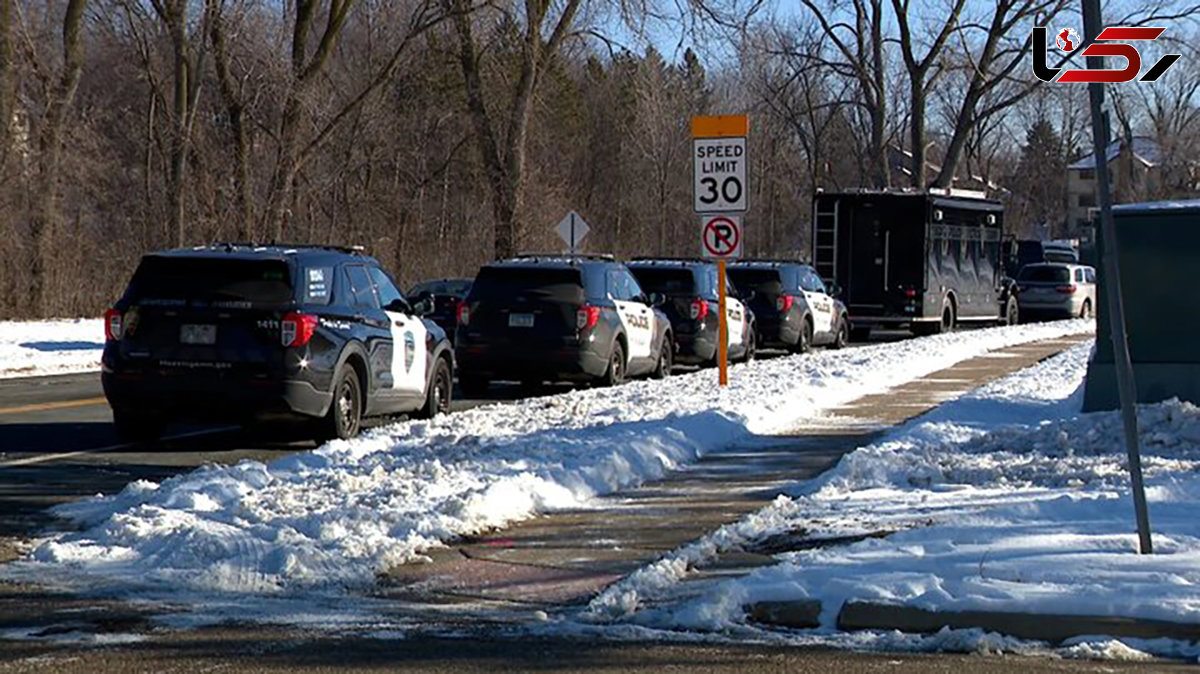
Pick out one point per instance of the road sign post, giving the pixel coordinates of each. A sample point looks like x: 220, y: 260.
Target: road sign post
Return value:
x: 719, y: 162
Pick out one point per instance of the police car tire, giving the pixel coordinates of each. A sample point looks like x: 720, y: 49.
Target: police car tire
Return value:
x: 440, y: 393
x: 1012, y: 313
x: 614, y: 374
x: 344, y: 417
x: 842, y: 336
x: 137, y: 427
x: 751, y: 346
x: 804, y: 342
x: 666, y: 359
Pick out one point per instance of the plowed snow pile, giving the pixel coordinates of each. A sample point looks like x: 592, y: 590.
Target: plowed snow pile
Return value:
x: 337, y: 516
x: 1008, y: 499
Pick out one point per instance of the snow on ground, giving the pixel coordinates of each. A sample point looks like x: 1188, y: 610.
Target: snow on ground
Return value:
x: 1007, y: 499
x: 337, y: 516
x: 31, y: 348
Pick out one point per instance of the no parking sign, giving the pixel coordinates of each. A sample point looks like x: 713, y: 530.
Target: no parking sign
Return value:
x: 721, y: 237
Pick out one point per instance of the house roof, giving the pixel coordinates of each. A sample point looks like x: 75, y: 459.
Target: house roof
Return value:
x: 1145, y: 150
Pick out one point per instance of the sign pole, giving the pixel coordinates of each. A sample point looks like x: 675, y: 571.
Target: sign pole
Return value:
x: 572, y: 232
x: 1126, y: 385
x: 722, y: 327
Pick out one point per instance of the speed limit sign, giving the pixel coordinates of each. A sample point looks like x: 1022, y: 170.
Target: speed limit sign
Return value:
x: 719, y: 163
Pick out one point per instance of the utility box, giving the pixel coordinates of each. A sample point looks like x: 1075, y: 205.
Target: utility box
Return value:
x: 1159, y: 248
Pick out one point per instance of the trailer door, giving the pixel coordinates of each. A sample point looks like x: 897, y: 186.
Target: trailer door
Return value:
x: 868, y: 250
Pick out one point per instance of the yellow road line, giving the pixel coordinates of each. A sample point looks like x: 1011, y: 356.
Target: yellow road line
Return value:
x: 58, y: 405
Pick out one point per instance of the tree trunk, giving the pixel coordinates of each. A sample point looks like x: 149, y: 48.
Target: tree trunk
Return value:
x: 7, y: 81
x: 917, y: 133
x: 45, y: 212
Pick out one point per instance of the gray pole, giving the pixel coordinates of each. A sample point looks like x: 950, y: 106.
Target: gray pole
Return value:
x: 1126, y: 386
x: 572, y: 232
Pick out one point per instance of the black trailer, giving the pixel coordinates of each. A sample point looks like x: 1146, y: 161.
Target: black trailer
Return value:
x: 925, y: 260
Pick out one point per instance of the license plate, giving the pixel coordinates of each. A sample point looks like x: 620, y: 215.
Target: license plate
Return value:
x: 520, y: 320
x: 198, y: 334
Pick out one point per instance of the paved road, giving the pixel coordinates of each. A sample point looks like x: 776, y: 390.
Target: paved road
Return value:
x: 57, y: 444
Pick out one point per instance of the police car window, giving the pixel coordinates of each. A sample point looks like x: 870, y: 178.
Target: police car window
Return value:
x: 632, y: 287
x: 815, y: 282
x: 318, y: 285
x: 1079, y: 276
x: 388, y: 293
x: 362, y: 293
x: 1090, y: 275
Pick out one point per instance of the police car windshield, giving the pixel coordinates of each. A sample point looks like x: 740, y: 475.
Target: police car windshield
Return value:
x: 1045, y: 274
x: 509, y: 283
x: 763, y: 281
x: 235, y: 282
x: 677, y: 281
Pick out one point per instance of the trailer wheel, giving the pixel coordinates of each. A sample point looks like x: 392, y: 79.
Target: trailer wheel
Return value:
x: 947, y: 323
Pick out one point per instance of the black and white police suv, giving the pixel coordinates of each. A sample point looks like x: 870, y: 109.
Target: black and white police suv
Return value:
x: 792, y: 308
x: 239, y: 333
x: 690, y: 289
x: 578, y: 318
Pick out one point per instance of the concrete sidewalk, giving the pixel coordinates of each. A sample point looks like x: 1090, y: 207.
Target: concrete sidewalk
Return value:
x: 565, y: 558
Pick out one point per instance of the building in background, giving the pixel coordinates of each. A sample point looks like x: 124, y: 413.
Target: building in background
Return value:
x: 1135, y: 171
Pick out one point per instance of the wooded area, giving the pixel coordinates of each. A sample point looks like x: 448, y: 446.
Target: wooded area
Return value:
x: 442, y: 133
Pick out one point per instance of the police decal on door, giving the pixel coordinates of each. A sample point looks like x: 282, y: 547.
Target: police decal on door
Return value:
x: 408, y: 353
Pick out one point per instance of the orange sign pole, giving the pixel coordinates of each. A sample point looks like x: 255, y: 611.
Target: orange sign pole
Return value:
x: 722, y: 327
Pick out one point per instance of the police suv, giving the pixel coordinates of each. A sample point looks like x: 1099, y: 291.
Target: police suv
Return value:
x: 690, y: 288
x: 239, y: 333
x: 576, y: 318
x: 792, y: 306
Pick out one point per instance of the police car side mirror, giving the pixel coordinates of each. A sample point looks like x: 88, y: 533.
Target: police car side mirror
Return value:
x: 833, y: 289
x: 657, y: 299
x: 422, y: 307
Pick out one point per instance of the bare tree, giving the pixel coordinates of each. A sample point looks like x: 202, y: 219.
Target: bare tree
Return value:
x: 921, y: 73
x: 503, y: 147
x: 61, y: 96
x: 859, y: 54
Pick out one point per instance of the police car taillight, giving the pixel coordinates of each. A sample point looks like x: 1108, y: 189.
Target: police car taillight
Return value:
x: 464, y: 314
x: 113, y: 325
x: 1070, y: 288
x: 699, y: 309
x: 784, y: 302
x: 587, y: 317
x: 297, y: 329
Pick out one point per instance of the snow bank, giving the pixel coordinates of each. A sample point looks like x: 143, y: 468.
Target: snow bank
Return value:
x: 341, y: 514
x: 31, y: 348
x: 1007, y: 499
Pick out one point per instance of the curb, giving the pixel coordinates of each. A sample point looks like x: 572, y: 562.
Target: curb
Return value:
x: 1050, y: 627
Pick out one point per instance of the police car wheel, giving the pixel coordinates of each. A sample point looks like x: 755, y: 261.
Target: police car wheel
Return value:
x: 666, y: 359
x: 843, y: 335
x: 615, y: 374
x: 1012, y: 314
x: 804, y: 343
x: 437, y: 400
x: 137, y: 427
x: 345, y: 410
x: 1086, y: 310
x: 751, y: 347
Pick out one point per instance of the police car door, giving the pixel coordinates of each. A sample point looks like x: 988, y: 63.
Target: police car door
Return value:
x: 735, y: 314
x: 409, y: 358
x: 819, y: 302
x: 636, y: 317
